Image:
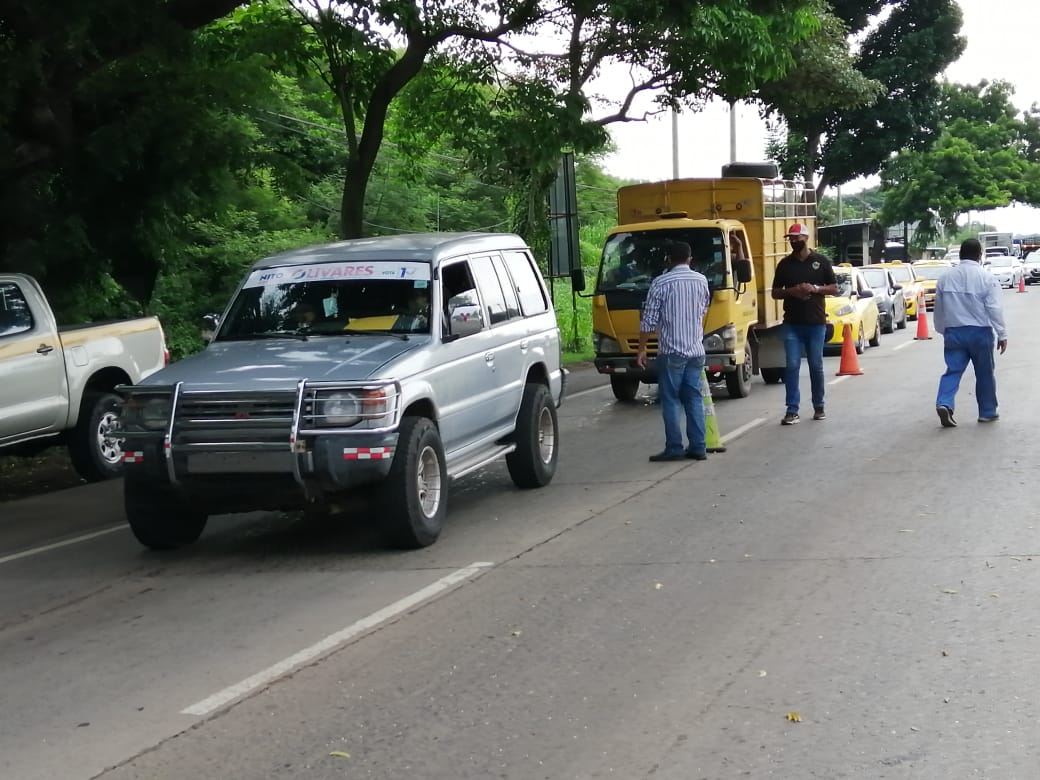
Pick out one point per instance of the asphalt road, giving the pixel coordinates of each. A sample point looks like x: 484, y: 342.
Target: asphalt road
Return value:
x: 852, y: 598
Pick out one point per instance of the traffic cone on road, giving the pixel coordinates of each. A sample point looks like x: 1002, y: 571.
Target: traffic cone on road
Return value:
x: 712, y: 439
x: 922, y: 320
x: 1021, y: 284
x: 849, y: 362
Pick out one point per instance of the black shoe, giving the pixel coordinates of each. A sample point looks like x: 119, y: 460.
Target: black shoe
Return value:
x: 791, y: 418
x: 666, y: 456
x: 946, y: 417
x: 819, y: 414
x: 697, y: 455
x: 994, y: 418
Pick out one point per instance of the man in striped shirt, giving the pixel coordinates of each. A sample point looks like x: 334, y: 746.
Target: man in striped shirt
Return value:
x: 675, y: 307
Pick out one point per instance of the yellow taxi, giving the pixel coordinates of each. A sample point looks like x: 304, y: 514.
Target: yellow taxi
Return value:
x: 905, y: 277
x: 927, y: 273
x: 854, y: 305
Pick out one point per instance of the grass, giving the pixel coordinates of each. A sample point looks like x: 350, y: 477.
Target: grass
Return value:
x: 574, y: 315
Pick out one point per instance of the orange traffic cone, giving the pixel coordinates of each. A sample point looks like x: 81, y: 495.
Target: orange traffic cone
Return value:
x: 1021, y: 284
x: 849, y: 362
x: 922, y: 320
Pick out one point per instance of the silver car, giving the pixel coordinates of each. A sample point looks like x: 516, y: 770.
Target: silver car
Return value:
x: 387, y: 365
x: 888, y: 295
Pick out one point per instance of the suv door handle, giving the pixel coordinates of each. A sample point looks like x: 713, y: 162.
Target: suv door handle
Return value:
x: 489, y: 357
x: 523, y: 345
x: 45, y: 349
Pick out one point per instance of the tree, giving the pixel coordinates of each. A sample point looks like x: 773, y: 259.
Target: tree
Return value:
x: 987, y: 155
x: 903, y: 45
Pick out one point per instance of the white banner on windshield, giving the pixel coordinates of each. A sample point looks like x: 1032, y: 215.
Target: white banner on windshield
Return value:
x: 337, y: 272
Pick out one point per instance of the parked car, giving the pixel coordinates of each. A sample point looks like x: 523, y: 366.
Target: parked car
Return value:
x: 390, y: 365
x: 1031, y: 267
x: 1007, y: 270
x: 853, y: 306
x: 58, y: 381
x: 905, y: 277
x: 927, y: 274
x: 888, y: 295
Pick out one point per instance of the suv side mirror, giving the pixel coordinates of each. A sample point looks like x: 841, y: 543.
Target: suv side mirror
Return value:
x: 896, y: 288
x: 742, y: 270
x: 465, y: 319
x: 210, y: 323
x: 578, y: 279
x: 866, y: 294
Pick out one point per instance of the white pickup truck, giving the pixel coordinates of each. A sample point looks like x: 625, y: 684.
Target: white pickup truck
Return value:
x: 56, y: 382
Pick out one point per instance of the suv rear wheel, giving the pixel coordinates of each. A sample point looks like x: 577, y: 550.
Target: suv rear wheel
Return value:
x: 533, y: 463
x: 415, y: 492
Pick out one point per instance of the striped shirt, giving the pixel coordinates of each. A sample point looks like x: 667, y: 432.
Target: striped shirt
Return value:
x: 675, y: 307
x: 968, y: 295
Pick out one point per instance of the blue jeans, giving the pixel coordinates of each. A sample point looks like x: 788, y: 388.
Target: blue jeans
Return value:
x: 679, y: 388
x: 961, y: 344
x: 797, y: 336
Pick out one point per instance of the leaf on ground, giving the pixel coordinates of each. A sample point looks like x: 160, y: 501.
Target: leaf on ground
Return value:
x: 762, y: 672
x: 339, y: 754
x: 794, y: 717
x: 906, y: 530
x: 949, y: 590
x: 658, y: 586
x: 517, y: 632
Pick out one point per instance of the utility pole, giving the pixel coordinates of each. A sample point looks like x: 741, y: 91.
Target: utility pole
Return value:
x: 675, y: 143
x: 733, y: 131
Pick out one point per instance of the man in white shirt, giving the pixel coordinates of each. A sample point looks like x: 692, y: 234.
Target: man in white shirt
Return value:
x: 968, y: 314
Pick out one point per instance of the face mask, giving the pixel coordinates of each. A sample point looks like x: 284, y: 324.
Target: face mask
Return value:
x: 797, y: 246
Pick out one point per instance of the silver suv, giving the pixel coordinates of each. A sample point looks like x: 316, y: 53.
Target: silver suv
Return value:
x: 390, y: 365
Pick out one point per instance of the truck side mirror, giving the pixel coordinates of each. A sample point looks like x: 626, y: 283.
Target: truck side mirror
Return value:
x: 578, y: 279
x: 742, y: 270
x: 210, y: 323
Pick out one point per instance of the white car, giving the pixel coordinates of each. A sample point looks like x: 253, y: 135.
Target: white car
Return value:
x: 1031, y: 267
x: 1006, y: 269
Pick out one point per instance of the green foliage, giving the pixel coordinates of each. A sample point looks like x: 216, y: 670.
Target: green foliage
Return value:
x: 985, y: 157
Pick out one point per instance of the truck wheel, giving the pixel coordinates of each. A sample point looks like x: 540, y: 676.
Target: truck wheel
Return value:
x: 415, y: 492
x: 159, y: 517
x: 738, y: 383
x: 625, y: 387
x: 533, y: 463
x: 772, y: 376
x: 95, y: 453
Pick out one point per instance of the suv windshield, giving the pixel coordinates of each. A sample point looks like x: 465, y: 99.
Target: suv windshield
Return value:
x: 632, y: 260
x: 999, y: 261
x: 331, y: 299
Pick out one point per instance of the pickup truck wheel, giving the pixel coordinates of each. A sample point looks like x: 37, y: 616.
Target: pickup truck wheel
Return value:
x: 772, y: 376
x: 159, y: 518
x: 738, y: 383
x: 415, y: 492
x: 95, y: 453
x: 533, y: 463
x: 625, y: 387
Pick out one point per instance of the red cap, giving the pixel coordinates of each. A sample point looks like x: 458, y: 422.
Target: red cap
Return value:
x: 798, y: 230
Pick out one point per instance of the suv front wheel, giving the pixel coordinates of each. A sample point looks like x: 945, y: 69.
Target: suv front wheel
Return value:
x: 533, y: 463
x: 415, y: 492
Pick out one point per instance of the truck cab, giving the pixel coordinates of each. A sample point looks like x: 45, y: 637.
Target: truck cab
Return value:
x: 714, y: 216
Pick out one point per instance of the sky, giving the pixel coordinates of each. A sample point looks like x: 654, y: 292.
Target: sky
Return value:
x: 997, y: 48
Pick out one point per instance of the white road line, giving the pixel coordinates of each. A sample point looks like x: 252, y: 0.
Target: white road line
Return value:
x: 332, y: 641
x: 839, y: 380
x: 580, y: 393
x: 903, y: 345
x: 737, y: 432
x: 57, y: 545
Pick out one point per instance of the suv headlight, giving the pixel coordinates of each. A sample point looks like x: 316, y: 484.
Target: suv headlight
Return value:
x: 369, y: 407
x: 146, y: 412
x: 339, y: 408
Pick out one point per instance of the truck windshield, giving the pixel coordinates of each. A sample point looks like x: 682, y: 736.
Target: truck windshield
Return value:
x: 328, y: 299
x: 632, y: 260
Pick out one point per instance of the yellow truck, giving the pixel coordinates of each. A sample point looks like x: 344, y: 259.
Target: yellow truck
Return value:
x: 741, y: 330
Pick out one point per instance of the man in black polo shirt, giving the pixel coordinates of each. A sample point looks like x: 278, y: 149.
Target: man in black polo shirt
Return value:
x: 801, y: 281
